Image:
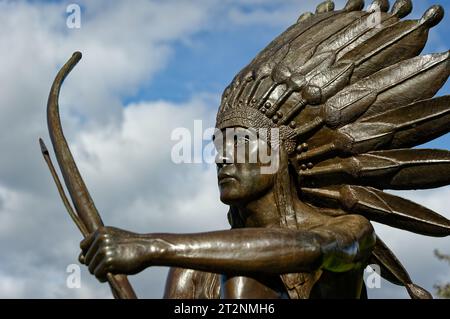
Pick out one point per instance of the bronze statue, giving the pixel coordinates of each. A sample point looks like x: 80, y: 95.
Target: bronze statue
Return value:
x: 348, y: 99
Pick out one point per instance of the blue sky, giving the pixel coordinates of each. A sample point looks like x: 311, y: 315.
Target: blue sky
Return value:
x: 210, y: 59
x: 207, y: 63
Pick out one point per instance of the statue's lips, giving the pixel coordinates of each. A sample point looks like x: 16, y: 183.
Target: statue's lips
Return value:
x: 225, y: 178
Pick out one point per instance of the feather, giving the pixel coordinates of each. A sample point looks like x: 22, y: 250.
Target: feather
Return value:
x: 284, y: 51
x: 397, y: 169
x: 398, y: 85
x: 354, y: 5
x: 402, y: 127
x: 379, y: 5
x: 386, y: 20
x: 393, y: 271
x: 309, y: 26
x: 305, y: 16
x: 326, y: 6
x: 390, y: 268
x: 264, y: 71
x: 402, y: 8
x: 299, y: 50
x: 327, y: 83
x: 304, y: 47
x: 282, y: 75
x: 321, y: 85
x: 263, y: 64
x: 398, y: 42
x: 380, y: 207
x: 348, y: 105
x: 408, y: 81
x: 341, y: 40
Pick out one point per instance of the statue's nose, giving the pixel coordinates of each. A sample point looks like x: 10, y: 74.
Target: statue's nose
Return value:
x: 225, y: 156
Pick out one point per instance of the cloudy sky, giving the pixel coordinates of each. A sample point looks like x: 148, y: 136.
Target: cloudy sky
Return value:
x: 148, y: 68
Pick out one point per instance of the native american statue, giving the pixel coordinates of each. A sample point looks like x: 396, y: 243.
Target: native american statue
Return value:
x: 349, y: 98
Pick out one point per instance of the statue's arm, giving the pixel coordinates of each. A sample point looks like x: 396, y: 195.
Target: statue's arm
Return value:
x: 338, y: 245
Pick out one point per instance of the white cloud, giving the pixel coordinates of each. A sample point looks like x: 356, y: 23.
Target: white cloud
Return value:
x: 125, y: 43
x: 119, y: 55
x: 133, y: 163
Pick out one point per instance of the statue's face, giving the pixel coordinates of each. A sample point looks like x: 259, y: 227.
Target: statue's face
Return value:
x: 241, y: 178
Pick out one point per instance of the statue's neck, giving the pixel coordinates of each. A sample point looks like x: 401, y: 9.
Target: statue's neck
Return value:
x: 262, y: 212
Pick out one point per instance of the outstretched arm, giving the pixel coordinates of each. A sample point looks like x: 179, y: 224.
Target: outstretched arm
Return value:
x: 339, y: 245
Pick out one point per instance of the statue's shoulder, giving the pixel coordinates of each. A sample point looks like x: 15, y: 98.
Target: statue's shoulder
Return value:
x: 354, y: 225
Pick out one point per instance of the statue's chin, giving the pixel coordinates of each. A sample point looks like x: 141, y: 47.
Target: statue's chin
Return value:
x: 231, y: 197
x: 230, y: 200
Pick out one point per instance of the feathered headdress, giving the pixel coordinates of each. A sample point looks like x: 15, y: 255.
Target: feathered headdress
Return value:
x: 351, y: 95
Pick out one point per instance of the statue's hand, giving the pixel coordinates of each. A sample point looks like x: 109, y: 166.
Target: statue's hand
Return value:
x: 112, y: 250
